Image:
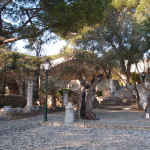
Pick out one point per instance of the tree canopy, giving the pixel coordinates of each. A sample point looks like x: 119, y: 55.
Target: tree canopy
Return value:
x: 25, y: 19
x: 119, y: 33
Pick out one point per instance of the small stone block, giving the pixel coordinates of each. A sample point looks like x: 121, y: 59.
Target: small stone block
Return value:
x: 42, y: 123
x: 67, y: 124
x: 134, y: 127
x: 50, y: 123
x: 92, y: 125
x: 100, y: 126
x: 110, y: 126
x: 128, y: 126
x: 116, y: 126
x: 75, y: 124
x: 140, y: 128
x: 57, y: 123
x: 147, y: 127
x: 147, y: 115
x: 81, y: 125
x: 113, y: 127
x: 122, y: 126
x: 87, y: 125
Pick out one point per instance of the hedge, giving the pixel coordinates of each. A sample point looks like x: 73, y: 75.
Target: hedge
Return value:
x: 13, y: 101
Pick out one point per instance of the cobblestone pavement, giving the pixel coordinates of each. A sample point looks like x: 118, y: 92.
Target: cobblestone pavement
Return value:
x: 28, y: 134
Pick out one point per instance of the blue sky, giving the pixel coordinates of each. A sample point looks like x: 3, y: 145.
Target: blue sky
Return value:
x: 49, y: 49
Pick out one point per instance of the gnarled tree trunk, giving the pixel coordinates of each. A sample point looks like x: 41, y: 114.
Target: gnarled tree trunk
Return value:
x: 80, y: 103
x: 89, y: 99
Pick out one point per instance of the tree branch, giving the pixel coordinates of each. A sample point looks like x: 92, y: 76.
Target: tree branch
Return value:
x: 13, y: 39
x: 3, y: 7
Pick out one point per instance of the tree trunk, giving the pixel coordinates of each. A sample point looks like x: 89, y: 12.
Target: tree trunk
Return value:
x: 80, y: 103
x: 89, y: 99
x: 128, y: 68
x: 137, y: 98
x: 107, y: 73
x: 54, y: 100
x: 4, y: 84
x: 83, y: 105
x: 125, y: 70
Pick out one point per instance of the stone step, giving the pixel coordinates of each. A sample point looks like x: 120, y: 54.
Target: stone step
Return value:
x: 113, y: 107
x: 118, y: 101
x: 108, y: 102
x: 111, y: 98
x: 111, y: 101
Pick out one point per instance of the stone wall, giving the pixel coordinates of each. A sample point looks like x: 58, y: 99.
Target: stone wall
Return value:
x: 108, y: 87
x: 15, y: 83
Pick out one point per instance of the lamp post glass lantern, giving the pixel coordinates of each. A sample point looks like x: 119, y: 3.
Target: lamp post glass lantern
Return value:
x: 46, y: 66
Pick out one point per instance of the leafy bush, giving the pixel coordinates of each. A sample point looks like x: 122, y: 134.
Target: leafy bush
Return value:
x: 13, y: 101
x: 67, y: 90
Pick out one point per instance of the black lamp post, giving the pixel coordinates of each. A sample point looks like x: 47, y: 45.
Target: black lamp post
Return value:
x: 46, y: 66
x: 143, y: 76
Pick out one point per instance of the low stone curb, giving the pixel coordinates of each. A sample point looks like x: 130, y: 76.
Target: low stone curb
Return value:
x: 95, y: 125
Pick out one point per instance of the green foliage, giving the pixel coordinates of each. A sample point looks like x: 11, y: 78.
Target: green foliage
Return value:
x: 67, y: 52
x: 146, y: 28
x: 138, y: 8
x: 87, y: 57
x: 57, y: 56
x: 14, y: 57
x: 71, y: 17
x: 143, y: 11
x: 134, y: 78
x: 132, y: 4
x: 21, y: 63
x: 3, y: 49
x: 65, y: 90
x: 117, y: 39
x: 30, y: 19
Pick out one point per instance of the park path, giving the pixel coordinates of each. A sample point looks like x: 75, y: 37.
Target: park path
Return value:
x: 33, y: 134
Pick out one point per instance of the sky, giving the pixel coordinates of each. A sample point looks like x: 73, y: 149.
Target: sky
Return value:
x: 49, y: 49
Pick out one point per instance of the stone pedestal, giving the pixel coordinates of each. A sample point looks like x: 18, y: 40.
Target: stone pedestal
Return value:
x: 147, y: 112
x: 6, y: 110
x: 69, y: 113
x: 28, y: 107
x: 65, y: 97
x: 147, y: 115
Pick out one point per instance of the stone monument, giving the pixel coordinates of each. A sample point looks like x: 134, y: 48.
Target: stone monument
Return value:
x: 69, y: 113
x: 28, y: 107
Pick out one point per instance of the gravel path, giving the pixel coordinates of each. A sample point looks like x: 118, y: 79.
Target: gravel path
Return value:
x: 28, y: 134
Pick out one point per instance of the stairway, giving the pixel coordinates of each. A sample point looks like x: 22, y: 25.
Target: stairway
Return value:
x: 117, y: 103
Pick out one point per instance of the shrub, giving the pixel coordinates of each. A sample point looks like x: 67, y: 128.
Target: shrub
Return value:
x: 13, y: 101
